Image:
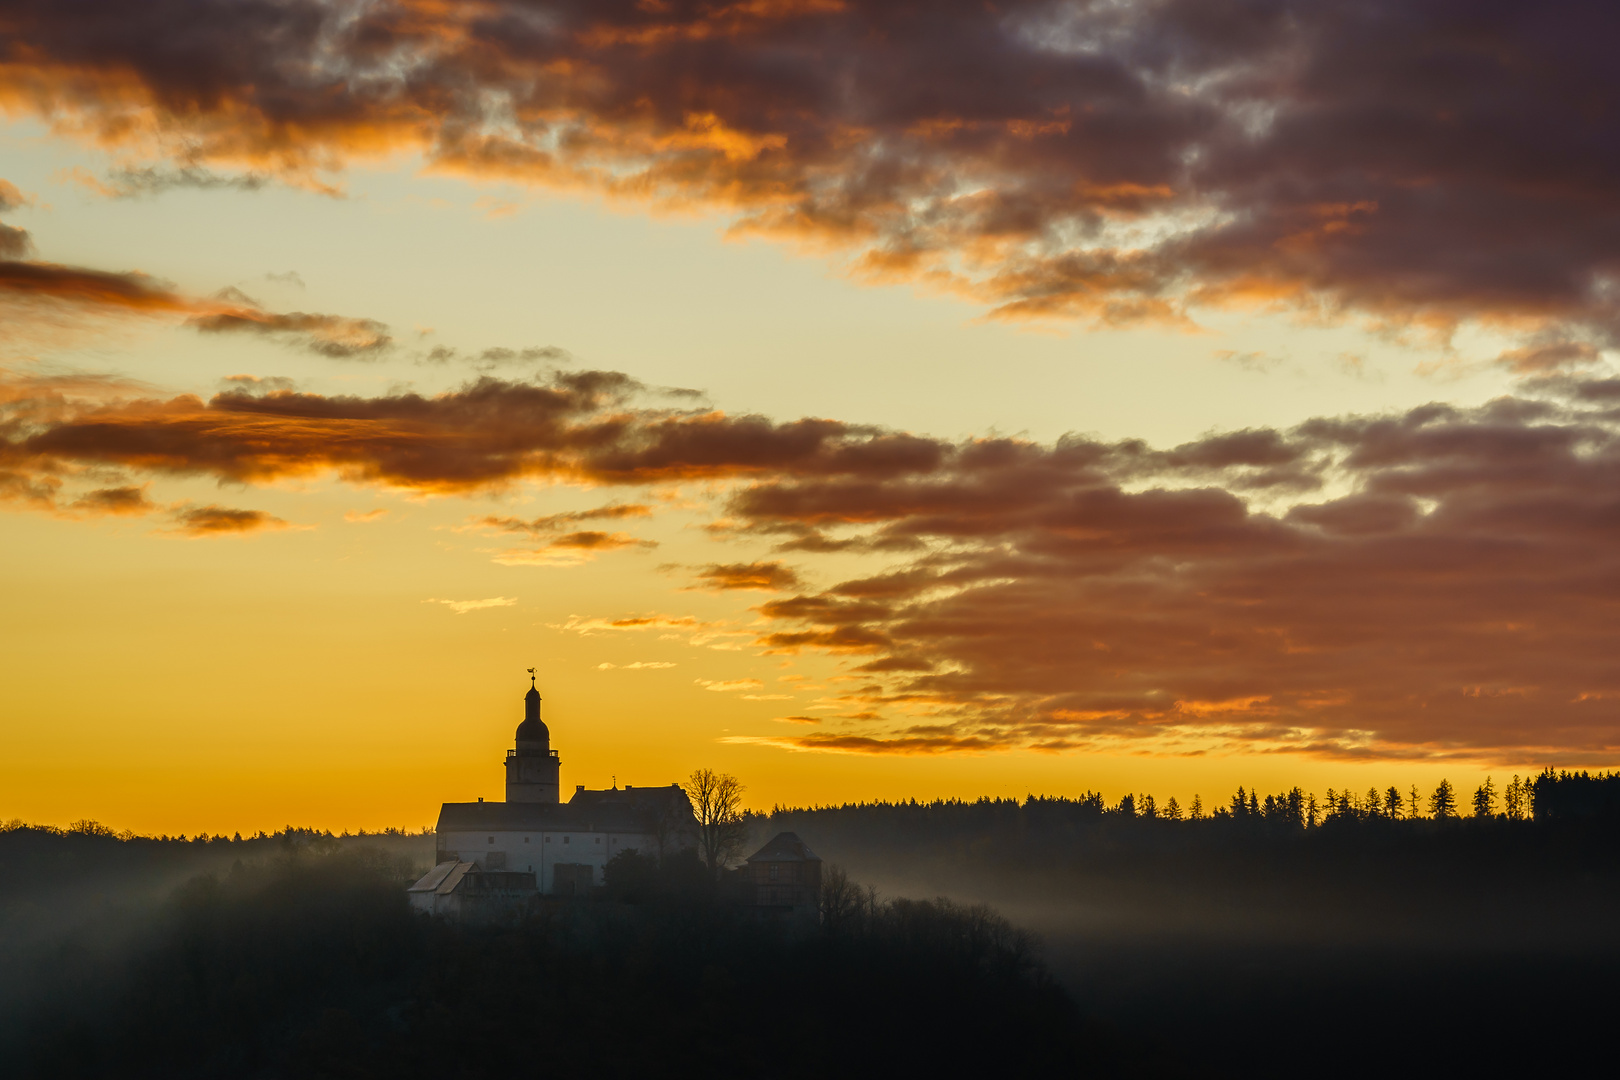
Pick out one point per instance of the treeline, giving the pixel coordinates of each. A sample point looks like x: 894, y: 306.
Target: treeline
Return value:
x: 1549, y: 796
x: 313, y: 965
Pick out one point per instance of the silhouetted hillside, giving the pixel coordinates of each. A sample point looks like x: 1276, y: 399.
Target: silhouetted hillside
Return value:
x: 312, y: 965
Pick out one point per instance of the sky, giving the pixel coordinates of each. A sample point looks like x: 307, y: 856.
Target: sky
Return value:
x: 871, y: 400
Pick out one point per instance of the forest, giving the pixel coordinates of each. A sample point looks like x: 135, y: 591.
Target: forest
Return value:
x: 1047, y: 936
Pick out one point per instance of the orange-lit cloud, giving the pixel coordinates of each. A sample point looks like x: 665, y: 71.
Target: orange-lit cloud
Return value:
x: 206, y: 521
x: 1419, y: 164
x: 1435, y: 583
x: 764, y: 576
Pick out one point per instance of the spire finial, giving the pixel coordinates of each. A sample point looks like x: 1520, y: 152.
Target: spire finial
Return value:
x: 531, y: 678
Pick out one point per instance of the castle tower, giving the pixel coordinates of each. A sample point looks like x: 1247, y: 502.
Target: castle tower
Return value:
x: 531, y: 768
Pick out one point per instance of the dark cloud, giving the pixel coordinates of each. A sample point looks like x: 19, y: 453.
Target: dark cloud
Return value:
x: 1439, y: 582
x: 1417, y: 163
x: 118, y: 500
x: 40, y: 281
x: 154, y: 180
x: 336, y: 336
x: 764, y: 576
x: 205, y: 521
x: 31, y: 283
x: 1458, y: 602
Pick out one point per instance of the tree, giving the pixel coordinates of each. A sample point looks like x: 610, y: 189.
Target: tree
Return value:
x: 722, y: 829
x: 1513, y: 799
x: 1416, y: 805
x: 1443, y: 803
x: 1150, y: 809
x: 1197, y: 811
x: 1392, y: 803
x: 1240, y: 803
x: 1311, y: 810
x: 1485, y: 799
x: 1172, y: 809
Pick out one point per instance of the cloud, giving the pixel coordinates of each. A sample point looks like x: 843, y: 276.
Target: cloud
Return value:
x: 1453, y: 604
x: 1418, y: 165
x: 15, y: 243
x: 765, y: 576
x: 207, y: 521
x: 336, y: 336
x: 461, y: 607
x: 32, y: 290
x: 552, y: 523
x: 1435, y: 583
x: 639, y: 665
x: 728, y: 685
x: 117, y: 500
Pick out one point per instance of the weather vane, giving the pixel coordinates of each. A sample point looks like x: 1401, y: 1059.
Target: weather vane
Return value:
x: 531, y: 676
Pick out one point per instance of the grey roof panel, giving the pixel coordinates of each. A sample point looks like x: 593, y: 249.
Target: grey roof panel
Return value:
x: 785, y: 847
x: 433, y: 878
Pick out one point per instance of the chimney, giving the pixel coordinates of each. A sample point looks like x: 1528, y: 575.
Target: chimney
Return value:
x: 578, y: 788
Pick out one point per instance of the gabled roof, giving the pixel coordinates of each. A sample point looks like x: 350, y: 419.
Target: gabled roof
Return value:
x: 630, y: 810
x: 786, y: 847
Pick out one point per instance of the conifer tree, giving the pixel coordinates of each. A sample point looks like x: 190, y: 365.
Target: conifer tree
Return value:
x: 1443, y: 803
x: 1416, y: 804
x: 1392, y: 803
x: 1485, y: 799
x: 1197, y: 811
x: 1513, y: 799
x: 1172, y: 809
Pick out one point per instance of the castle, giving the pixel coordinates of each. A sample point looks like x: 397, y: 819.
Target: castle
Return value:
x: 535, y: 842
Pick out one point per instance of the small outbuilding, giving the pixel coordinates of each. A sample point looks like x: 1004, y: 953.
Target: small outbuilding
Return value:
x: 463, y: 891
x: 784, y: 877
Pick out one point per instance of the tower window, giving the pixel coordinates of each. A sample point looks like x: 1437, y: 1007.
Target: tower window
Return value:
x: 492, y: 839
x: 525, y: 839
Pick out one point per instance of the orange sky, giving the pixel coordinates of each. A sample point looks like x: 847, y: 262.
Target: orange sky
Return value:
x: 1055, y: 429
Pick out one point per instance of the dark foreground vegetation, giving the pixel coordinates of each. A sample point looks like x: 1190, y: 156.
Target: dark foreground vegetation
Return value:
x: 1251, y: 941
x: 312, y: 965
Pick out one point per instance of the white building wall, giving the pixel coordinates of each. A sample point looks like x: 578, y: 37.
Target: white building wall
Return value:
x: 539, y: 852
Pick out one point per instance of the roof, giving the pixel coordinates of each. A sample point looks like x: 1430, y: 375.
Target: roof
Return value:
x: 786, y: 847
x: 444, y: 878
x: 430, y: 881
x: 450, y: 876
x: 614, y: 810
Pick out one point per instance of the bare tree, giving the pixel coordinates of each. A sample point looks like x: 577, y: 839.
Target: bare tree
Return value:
x: 722, y: 829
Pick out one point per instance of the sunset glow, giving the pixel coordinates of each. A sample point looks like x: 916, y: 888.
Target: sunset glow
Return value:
x: 871, y: 402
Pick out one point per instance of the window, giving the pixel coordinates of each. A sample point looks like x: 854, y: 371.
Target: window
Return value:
x: 598, y: 839
x: 772, y: 872
x: 525, y: 839
x: 565, y: 839
x: 492, y: 839
x: 548, y: 839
